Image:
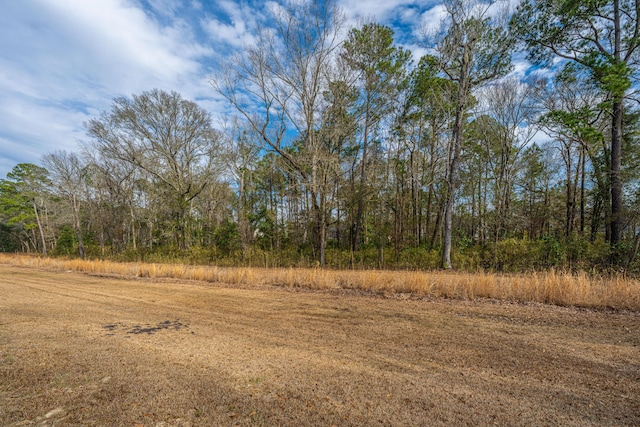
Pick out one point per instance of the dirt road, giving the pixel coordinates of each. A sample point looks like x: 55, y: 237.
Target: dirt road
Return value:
x: 86, y: 350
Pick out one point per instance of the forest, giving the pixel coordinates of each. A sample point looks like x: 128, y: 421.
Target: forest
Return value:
x: 340, y: 151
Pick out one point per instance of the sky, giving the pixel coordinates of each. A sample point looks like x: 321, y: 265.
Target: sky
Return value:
x: 62, y: 62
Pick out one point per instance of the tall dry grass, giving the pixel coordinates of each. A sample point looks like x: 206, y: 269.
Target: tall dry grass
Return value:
x: 549, y: 287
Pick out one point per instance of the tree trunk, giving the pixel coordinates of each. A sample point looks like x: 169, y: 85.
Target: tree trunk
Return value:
x: 616, y: 147
x: 616, y: 181
x: 321, y: 228
x: 454, y: 160
x: 363, y: 173
x: 583, y: 159
x: 44, y: 243
x: 76, y: 215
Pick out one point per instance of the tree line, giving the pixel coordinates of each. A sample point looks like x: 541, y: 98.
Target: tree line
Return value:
x: 342, y: 152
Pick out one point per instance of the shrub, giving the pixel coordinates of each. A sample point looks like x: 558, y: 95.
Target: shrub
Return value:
x: 65, y: 245
x: 515, y: 255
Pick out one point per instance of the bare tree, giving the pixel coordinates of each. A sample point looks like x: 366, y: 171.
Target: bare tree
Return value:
x: 112, y: 199
x: 277, y: 88
x: 474, y: 49
x: 512, y: 111
x: 67, y: 173
x: 573, y: 117
x: 170, y: 139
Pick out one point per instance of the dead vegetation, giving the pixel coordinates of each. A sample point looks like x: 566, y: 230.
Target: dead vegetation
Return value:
x: 551, y: 287
x: 220, y: 355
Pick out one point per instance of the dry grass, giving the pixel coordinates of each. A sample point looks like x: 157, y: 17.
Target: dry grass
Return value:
x: 74, y: 352
x: 550, y: 287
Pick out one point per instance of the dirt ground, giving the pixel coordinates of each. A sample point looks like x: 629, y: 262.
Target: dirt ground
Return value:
x: 81, y: 350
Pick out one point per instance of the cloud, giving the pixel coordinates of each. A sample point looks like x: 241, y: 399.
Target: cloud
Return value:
x: 521, y: 67
x: 62, y: 61
x: 110, y: 44
x: 165, y: 7
x: 432, y: 18
x: 238, y: 30
x: 120, y: 44
x: 379, y: 11
x: 30, y: 129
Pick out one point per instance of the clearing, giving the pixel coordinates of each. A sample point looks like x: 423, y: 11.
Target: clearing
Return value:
x: 78, y: 349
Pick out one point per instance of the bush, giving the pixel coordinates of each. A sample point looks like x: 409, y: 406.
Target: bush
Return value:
x: 420, y: 258
x: 226, y: 238
x: 9, y: 241
x: 471, y: 258
x: 66, y: 243
x: 515, y: 255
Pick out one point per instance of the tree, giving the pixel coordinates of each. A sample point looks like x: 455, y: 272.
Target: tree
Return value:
x: 244, y: 156
x: 112, y: 203
x: 339, y: 130
x: 380, y: 68
x: 22, y: 196
x: 67, y: 173
x: 507, y: 128
x: 9, y: 241
x: 534, y: 182
x: 573, y: 116
x: 473, y: 50
x: 602, y: 37
x: 169, y: 138
x: 277, y: 88
x: 426, y: 115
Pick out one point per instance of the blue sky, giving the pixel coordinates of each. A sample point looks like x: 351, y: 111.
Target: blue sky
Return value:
x: 63, y: 61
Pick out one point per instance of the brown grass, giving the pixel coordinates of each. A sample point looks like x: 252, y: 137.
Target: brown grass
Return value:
x: 551, y: 287
x: 73, y: 352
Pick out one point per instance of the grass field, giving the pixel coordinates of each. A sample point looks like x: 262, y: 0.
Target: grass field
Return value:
x: 548, y: 287
x: 80, y: 349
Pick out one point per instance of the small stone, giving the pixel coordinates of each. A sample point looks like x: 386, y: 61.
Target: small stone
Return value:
x: 54, y: 412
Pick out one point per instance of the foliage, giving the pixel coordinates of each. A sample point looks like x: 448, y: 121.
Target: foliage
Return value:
x: 168, y: 139
x: 66, y: 244
x: 349, y: 156
x: 600, y: 37
x: 9, y: 240
x: 226, y: 238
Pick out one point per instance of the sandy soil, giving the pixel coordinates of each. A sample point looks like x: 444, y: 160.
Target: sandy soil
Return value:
x: 80, y: 350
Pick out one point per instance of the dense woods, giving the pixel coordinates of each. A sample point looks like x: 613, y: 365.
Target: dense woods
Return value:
x: 342, y: 151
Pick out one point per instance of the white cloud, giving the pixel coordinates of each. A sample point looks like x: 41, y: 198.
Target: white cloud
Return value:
x: 166, y: 7
x: 234, y: 34
x: 64, y: 60
x: 432, y: 18
x: 30, y: 129
x: 417, y: 51
x: 237, y: 27
x: 374, y: 9
x: 119, y: 44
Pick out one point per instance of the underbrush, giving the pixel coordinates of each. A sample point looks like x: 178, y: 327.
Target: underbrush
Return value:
x: 549, y: 287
